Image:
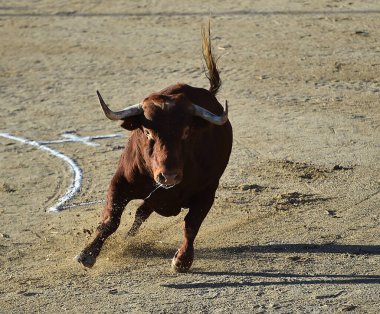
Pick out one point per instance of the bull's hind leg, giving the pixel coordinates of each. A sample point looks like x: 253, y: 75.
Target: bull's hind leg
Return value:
x: 142, y: 214
x: 117, y: 199
x: 198, y: 210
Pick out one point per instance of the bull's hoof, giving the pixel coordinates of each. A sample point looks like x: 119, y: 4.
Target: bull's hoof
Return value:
x: 182, y: 264
x: 85, y: 259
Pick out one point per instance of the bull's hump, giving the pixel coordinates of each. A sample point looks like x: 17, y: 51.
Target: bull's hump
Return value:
x: 160, y: 102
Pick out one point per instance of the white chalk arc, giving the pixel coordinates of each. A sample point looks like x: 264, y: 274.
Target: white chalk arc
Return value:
x: 74, y: 168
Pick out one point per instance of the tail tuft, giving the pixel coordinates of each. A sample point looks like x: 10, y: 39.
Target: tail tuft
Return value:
x: 212, y: 70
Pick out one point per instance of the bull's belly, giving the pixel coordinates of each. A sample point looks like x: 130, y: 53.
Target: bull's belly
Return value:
x: 168, y: 202
x: 167, y: 211
x: 165, y: 206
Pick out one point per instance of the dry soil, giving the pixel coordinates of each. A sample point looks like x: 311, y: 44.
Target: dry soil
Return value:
x: 295, y: 225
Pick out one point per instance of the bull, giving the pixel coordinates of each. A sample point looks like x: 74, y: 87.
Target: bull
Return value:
x: 178, y: 149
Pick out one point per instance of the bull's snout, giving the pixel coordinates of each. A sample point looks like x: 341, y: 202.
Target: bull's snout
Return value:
x: 169, y: 178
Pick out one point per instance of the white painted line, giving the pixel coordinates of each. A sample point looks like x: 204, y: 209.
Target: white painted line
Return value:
x: 87, y: 140
x: 83, y: 204
x: 77, y: 180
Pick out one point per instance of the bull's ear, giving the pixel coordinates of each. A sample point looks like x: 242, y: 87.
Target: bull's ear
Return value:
x: 131, y: 123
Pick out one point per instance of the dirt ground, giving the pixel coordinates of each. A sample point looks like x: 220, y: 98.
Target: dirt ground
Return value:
x: 295, y: 225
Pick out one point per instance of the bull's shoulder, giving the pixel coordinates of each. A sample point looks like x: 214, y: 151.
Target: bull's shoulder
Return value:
x: 132, y: 158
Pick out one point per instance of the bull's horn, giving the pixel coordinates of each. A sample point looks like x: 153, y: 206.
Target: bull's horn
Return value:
x: 209, y: 116
x: 134, y: 110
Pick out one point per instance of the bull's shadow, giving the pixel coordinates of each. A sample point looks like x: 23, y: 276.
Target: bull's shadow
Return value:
x: 262, y: 279
x: 272, y: 278
x: 151, y: 249
x: 355, y: 249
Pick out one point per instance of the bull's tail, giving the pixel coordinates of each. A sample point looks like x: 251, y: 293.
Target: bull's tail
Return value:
x: 212, y: 70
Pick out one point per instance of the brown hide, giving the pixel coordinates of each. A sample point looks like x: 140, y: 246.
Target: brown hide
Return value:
x: 174, y: 159
x: 201, y: 157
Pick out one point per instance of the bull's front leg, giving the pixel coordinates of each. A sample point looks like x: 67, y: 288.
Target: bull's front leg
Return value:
x: 198, y: 210
x: 117, y: 199
x: 142, y: 214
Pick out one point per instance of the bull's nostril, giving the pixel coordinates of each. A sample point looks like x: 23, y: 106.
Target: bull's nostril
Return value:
x: 161, y: 178
x: 171, y: 177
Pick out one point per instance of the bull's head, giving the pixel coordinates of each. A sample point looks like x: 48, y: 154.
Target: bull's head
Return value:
x: 165, y: 123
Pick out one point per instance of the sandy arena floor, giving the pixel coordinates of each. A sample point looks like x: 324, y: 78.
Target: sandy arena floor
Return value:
x: 295, y: 225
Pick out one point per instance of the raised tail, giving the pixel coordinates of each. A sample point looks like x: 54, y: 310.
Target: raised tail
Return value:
x: 212, y: 70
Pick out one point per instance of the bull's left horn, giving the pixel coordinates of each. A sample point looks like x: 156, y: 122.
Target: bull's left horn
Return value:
x: 131, y: 111
x: 209, y: 116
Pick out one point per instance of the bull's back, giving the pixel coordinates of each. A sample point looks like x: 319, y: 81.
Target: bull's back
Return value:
x: 199, y: 96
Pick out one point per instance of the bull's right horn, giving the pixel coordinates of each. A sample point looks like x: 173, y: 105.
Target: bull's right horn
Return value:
x: 209, y: 116
x: 131, y: 111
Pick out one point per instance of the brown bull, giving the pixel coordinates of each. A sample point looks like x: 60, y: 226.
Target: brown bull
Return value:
x: 179, y: 147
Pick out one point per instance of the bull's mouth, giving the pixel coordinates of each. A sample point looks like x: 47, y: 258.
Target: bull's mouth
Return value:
x: 160, y: 185
x: 166, y: 186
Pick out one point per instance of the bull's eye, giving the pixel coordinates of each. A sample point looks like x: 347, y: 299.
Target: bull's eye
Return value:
x: 185, y: 133
x: 148, y: 134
